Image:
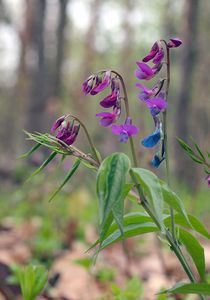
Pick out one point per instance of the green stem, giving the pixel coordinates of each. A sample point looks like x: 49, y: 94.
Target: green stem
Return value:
x: 168, y: 78
x: 173, y: 245
x: 88, y: 137
x: 127, y: 111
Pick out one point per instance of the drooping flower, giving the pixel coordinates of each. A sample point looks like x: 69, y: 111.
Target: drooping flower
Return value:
x: 145, y: 72
x: 111, y: 100
x: 156, y: 105
x: 153, y: 51
x: 159, y: 57
x: 174, y: 43
x: 125, y: 130
x: 152, y: 140
x: 159, y: 156
x: 150, y: 92
x: 101, y: 83
x: 108, y: 118
x: 88, y: 84
x: 57, y: 123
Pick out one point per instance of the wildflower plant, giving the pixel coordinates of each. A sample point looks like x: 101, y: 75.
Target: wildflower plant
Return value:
x: 119, y: 179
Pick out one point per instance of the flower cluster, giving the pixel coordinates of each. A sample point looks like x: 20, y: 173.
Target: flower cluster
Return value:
x: 155, y: 98
x: 95, y: 84
x: 66, y: 131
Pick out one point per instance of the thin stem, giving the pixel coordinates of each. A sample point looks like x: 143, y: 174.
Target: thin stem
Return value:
x: 127, y: 111
x: 88, y: 137
x: 168, y: 78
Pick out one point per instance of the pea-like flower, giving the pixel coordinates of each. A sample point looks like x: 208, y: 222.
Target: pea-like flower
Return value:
x: 125, y: 130
x: 153, y: 51
x: 174, y: 43
x: 156, y: 105
x: 112, y: 99
x: 108, y: 118
x: 145, y: 72
x: 152, y: 139
x: 95, y: 84
x: 67, y: 131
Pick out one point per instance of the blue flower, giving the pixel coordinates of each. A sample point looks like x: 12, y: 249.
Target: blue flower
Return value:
x: 156, y: 161
x: 152, y: 140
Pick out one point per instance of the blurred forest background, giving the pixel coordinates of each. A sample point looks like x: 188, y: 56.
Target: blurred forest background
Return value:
x: 47, y: 49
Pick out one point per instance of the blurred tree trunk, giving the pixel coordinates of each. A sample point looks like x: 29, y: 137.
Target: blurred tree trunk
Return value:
x: 37, y: 105
x: 184, y: 103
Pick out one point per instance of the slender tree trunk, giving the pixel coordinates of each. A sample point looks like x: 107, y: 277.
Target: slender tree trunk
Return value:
x: 189, y: 50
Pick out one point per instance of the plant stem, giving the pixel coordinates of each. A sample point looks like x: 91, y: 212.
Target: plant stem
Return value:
x: 173, y: 245
x: 127, y: 111
x: 88, y: 137
x: 168, y: 78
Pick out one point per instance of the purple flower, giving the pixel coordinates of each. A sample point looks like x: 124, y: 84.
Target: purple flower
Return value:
x: 156, y: 105
x: 174, y: 43
x: 158, y: 57
x: 125, y: 130
x: 101, y: 83
x: 88, y: 84
x: 145, y: 72
x: 208, y: 180
x: 151, y: 140
x: 57, y: 123
x: 108, y: 118
x: 68, y: 132
x: 153, y: 51
x: 147, y: 92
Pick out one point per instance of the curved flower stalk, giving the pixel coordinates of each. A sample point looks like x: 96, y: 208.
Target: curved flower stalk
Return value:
x: 155, y: 98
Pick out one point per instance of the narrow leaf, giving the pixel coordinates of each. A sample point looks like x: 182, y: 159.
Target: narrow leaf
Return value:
x: 196, y: 159
x: 189, y: 288
x: 67, y: 178
x: 33, y: 149
x: 45, y: 163
x: 186, y: 147
x: 195, y: 250
x: 199, y: 150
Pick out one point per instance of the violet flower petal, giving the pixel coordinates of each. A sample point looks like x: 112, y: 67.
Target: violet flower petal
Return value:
x: 174, y: 43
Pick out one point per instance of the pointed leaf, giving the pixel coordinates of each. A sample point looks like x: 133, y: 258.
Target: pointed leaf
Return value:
x: 67, y: 178
x: 33, y: 149
x: 195, y: 250
x: 199, y: 150
x: 152, y: 191
x: 111, y: 190
x: 173, y: 200
x: 45, y: 163
x: 186, y: 147
x: 189, y: 288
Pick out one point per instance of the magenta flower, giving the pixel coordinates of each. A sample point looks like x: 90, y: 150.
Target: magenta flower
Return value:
x: 108, y: 118
x: 174, y: 43
x: 144, y: 72
x: 153, y: 51
x: 159, y: 57
x: 110, y: 100
x: 156, y: 105
x: 125, y: 130
x: 101, y: 83
x: 57, y: 123
x: 88, y: 84
x: 67, y: 132
x: 147, y: 92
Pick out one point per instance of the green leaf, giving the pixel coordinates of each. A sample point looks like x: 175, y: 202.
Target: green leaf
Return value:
x: 189, y: 288
x: 195, y: 250
x: 33, y: 149
x: 152, y: 191
x: 196, y: 159
x: 186, y: 147
x: 197, y: 225
x: 67, y: 178
x: 111, y: 191
x: 129, y: 230
x: 45, y: 163
x: 32, y: 280
x: 199, y: 150
x: 173, y: 201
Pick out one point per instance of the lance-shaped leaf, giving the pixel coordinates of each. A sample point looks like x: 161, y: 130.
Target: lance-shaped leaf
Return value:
x: 111, y: 191
x: 173, y: 200
x: 67, y: 178
x: 32, y: 150
x: 45, y: 163
x: 196, y: 224
x: 151, y: 187
x: 189, y: 288
x: 195, y: 250
x: 200, y: 152
x: 186, y: 147
x: 129, y: 230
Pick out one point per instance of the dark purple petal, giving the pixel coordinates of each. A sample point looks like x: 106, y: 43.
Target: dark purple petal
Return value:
x: 158, y: 57
x: 174, y: 43
x: 145, y: 68
x: 110, y: 100
x: 58, y: 123
x: 152, y: 53
x: 101, y: 84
